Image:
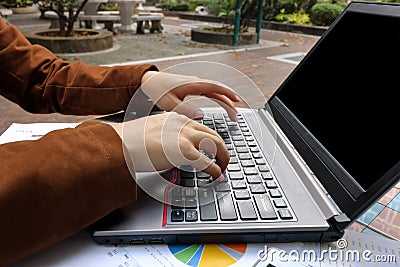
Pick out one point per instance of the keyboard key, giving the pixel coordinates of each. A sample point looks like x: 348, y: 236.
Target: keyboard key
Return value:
x: 218, y: 116
x: 239, y: 143
x: 257, y: 155
x: 271, y: 184
x: 233, y: 167
x: 233, y: 160
x: 275, y: 193
x: 186, y: 175
x: 235, y: 132
x: 191, y: 203
x: 280, y: 203
x: 249, y: 138
x: 263, y: 168
x: 224, y: 136
x: 242, y: 194
x: 190, y: 192
x: 208, y: 212
x: 177, y: 193
x: 204, y: 182
x: 235, y: 175
x: 187, y: 182
x: 242, y: 149
x: 238, y: 184
x: 177, y: 216
x: 226, y: 207
x: 257, y: 188
x: 203, y: 175
x: 246, y: 210
x: 253, y: 179
x: 254, y: 149
x: 223, y: 187
x: 191, y: 215
x: 267, y: 175
x: 260, y: 161
x: 252, y: 144
x: 285, y: 214
x: 237, y: 138
x: 250, y: 171
x: 247, y: 163
x: 264, y: 207
x: 244, y: 156
x: 177, y: 203
x: 207, y: 116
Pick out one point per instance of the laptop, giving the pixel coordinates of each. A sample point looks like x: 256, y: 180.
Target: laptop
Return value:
x: 305, y: 166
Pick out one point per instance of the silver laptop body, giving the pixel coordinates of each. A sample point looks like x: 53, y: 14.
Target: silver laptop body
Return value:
x: 310, y: 143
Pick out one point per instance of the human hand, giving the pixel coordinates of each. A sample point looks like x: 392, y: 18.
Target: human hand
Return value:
x: 163, y: 141
x: 168, y: 91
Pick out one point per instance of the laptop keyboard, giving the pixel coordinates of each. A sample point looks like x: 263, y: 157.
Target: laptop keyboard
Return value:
x: 248, y: 191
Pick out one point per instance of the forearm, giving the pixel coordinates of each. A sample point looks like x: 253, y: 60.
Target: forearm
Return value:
x: 59, y: 184
x: 34, y: 78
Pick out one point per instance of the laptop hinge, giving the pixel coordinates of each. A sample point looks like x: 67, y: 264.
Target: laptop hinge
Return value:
x: 312, y: 184
x: 339, y: 222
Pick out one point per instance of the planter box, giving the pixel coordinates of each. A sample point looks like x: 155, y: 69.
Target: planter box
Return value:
x: 271, y: 25
x: 24, y: 10
x: 211, y: 37
x: 96, y: 40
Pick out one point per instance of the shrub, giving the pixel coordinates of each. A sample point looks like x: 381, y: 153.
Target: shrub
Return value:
x: 16, y: 3
x: 299, y: 18
x: 324, y: 14
x: 222, y: 8
x: 174, y: 6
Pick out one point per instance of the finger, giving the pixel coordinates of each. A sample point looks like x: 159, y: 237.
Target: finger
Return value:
x: 226, y: 104
x: 221, y: 88
x: 212, y: 145
x: 172, y: 102
x: 201, y: 127
x: 205, y: 87
x: 203, y: 163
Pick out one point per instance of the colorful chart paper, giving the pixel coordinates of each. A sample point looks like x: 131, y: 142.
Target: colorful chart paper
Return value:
x: 208, y: 255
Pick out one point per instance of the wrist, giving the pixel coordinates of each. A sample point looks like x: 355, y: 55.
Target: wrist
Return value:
x: 148, y: 75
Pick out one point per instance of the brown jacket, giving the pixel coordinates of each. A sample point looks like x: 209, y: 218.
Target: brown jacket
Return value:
x: 68, y: 179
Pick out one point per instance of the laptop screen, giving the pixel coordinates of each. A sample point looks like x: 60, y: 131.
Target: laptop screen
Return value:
x: 346, y: 93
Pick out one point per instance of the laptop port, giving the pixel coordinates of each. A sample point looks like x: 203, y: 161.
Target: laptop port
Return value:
x: 137, y: 240
x: 156, y: 240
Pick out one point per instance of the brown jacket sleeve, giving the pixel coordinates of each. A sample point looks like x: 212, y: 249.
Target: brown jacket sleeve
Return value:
x: 34, y: 78
x: 61, y: 183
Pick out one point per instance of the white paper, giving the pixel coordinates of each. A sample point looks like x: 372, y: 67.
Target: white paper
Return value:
x: 31, y: 131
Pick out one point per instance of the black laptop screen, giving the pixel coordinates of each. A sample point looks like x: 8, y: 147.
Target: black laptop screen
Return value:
x: 347, y: 94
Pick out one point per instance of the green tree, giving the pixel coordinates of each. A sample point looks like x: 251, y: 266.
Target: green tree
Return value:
x: 67, y: 11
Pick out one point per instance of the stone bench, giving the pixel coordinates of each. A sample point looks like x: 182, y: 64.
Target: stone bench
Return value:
x: 155, y: 19
x: 108, y: 20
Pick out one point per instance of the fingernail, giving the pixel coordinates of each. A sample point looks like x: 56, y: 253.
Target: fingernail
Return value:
x: 198, y: 114
x: 237, y: 98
